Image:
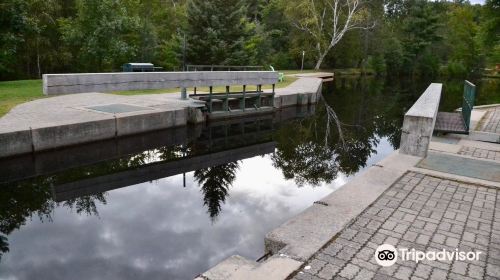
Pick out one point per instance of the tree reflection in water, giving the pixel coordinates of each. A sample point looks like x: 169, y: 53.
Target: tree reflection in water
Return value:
x: 350, y: 120
x: 367, y: 110
x: 215, y: 183
x: 33, y: 198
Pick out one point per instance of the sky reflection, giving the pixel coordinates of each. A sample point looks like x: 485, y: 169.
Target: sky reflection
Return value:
x: 166, y: 234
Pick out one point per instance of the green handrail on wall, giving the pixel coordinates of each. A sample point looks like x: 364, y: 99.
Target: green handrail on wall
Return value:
x: 468, y: 102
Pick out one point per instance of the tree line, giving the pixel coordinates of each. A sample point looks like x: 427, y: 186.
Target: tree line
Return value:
x: 396, y: 37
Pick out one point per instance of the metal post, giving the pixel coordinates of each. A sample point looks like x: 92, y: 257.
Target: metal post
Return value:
x: 194, y: 90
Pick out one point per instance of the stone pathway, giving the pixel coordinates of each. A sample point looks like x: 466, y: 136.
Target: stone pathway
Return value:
x: 421, y: 212
x: 480, y: 153
x: 491, y: 121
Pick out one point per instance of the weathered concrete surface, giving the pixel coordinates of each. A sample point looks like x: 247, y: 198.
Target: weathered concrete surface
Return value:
x: 106, y: 82
x: 15, y: 142
x: 419, y: 121
x: 325, y: 76
x: 69, y: 119
x: 66, y: 120
x: 239, y: 268
x: 302, y: 91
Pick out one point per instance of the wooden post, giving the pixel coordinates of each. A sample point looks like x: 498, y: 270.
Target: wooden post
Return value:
x: 226, y: 102
x: 272, y: 96
x: 210, y: 100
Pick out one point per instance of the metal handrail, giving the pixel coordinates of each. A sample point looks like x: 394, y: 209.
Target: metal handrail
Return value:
x: 468, y: 102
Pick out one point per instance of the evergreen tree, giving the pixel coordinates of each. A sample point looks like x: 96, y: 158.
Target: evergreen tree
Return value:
x: 420, y: 31
x: 216, y: 32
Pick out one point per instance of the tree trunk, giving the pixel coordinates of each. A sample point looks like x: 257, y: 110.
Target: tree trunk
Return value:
x: 320, y: 60
x: 38, y: 59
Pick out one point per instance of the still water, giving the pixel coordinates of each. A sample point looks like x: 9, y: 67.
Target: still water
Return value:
x: 171, y: 204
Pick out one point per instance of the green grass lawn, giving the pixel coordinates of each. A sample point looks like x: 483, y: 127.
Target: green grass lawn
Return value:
x: 13, y: 93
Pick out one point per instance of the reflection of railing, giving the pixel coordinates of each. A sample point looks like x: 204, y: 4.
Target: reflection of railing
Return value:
x: 156, y: 171
x: 224, y: 68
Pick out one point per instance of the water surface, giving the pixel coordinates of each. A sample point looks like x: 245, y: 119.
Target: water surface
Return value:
x: 171, y: 204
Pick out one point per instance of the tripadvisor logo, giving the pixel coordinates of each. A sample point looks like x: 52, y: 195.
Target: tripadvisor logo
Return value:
x: 387, y: 255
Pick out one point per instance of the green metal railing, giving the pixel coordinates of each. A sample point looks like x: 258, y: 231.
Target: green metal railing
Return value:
x: 468, y: 102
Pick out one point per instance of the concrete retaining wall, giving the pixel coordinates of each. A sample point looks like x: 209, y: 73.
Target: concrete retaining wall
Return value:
x: 17, y: 142
x: 105, y: 82
x: 51, y: 137
x: 419, y: 122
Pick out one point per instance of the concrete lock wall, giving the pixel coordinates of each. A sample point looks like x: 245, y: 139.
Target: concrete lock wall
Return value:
x: 419, y: 122
x: 54, y: 84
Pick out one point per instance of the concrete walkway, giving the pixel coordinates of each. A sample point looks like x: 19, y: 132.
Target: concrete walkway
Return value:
x: 449, y: 200
x: 423, y: 212
x: 491, y: 121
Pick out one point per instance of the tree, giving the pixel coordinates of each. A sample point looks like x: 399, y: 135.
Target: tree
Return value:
x: 326, y: 22
x: 461, y: 37
x: 420, y: 27
x: 39, y: 38
x: 216, y: 32
x: 100, y: 35
x: 489, y: 34
x: 13, y: 19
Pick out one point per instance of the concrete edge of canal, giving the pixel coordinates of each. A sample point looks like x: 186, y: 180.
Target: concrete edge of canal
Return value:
x: 292, y: 245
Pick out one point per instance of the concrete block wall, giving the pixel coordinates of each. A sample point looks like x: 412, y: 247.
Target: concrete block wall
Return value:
x: 419, y: 121
x: 54, y: 84
x: 51, y: 137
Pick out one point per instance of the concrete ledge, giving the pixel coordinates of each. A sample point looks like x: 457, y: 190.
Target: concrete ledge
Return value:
x: 239, y: 268
x: 303, y: 235
x: 17, y: 142
x: 45, y: 138
x: 419, y: 121
x: 105, y: 82
x: 126, y: 125
x: 484, y: 136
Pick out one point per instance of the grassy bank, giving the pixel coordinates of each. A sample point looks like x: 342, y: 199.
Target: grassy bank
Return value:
x: 13, y: 93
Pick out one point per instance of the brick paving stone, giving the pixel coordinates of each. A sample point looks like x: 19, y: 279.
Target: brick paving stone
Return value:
x: 480, y: 153
x: 421, y: 212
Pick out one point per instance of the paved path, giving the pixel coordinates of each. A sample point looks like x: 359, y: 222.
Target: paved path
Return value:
x: 480, y: 153
x: 491, y: 121
x: 422, y: 212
